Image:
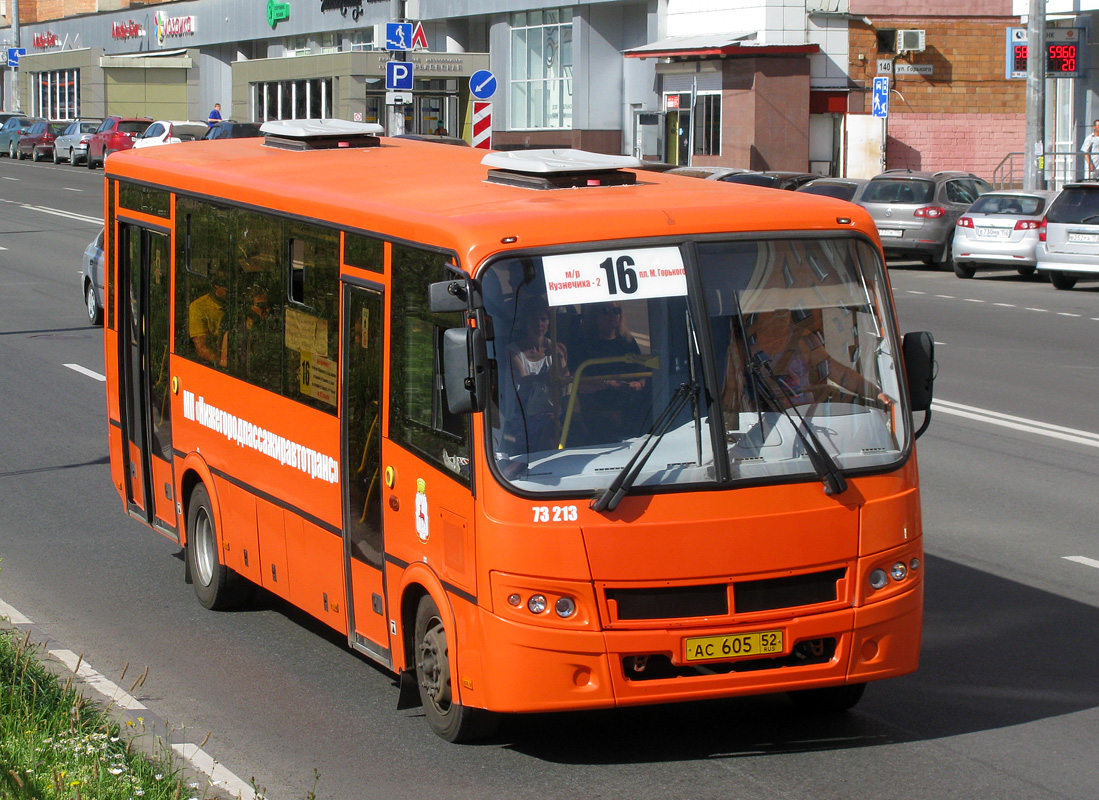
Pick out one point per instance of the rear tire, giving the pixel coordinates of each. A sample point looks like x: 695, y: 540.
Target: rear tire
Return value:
x: 447, y: 718
x: 830, y: 700
x: 1027, y: 272
x: 216, y: 586
x: 19, y: 154
x: 1062, y: 280
x: 91, y: 161
x: 95, y: 313
x: 965, y: 271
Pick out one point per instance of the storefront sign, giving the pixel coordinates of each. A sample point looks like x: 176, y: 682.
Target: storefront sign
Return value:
x: 344, y: 6
x: 43, y: 40
x: 277, y: 12
x: 127, y: 30
x: 437, y: 63
x: 168, y: 27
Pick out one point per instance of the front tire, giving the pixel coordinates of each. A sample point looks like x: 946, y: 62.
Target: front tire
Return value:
x: 11, y: 150
x: 447, y: 718
x: 95, y: 313
x: 56, y: 156
x: 1062, y: 280
x: 216, y: 586
x: 90, y: 161
x: 829, y: 700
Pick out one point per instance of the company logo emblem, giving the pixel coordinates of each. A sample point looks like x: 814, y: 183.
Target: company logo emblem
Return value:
x: 173, y: 26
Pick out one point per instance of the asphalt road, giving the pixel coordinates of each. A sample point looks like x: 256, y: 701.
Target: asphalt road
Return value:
x: 1004, y: 704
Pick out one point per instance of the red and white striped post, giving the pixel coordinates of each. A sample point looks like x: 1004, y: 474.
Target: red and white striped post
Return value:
x: 482, y: 124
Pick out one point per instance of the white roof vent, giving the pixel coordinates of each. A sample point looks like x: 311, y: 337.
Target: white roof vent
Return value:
x: 559, y: 169
x: 320, y: 134
x: 910, y: 41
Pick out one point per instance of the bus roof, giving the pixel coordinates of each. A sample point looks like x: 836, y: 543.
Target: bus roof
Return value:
x: 440, y: 196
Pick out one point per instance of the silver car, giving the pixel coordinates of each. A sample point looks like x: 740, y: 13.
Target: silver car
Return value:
x: 706, y: 173
x: 1068, y: 246
x: 849, y: 189
x: 72, y: 145
x: 915, y: 211
x: 91, y: 279
x: 1000, y: 231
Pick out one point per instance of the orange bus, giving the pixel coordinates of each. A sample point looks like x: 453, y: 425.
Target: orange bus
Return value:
x: 537, y: 430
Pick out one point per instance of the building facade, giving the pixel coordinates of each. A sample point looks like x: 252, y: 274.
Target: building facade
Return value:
x: 759, y: 84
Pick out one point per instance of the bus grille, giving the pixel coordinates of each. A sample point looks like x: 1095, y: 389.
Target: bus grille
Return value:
x: 658, y: 666
x: 712, y: 600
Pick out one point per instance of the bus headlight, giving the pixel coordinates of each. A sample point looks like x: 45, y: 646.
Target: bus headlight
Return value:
x: 878, y: 579
x: 899, y: 571
x: 565, y: 607
x: 537, y: 603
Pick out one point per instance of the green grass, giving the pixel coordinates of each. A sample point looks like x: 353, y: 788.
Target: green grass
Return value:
x: 55, y: 744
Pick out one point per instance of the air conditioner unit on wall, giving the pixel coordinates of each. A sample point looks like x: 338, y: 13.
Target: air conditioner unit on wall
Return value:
x: 910, y: 41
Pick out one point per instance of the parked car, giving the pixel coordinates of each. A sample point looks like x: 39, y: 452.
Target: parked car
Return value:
x: 230, y: 129
x: 92, y: 279
x: 849, y: 189
x: 170, y: 132
x: 771, y: 179
x: 437, y: 138
x: 915, y: 211
x: 707, y: 173
x: 113, y: 135
x: 1068, y: 237
x: 38, y: 142
x: 1000, y: 230
x: 10, y: 132
x: 72, y: 144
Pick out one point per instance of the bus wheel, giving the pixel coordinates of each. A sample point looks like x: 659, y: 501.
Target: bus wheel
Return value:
x: 216, y: 586
x: 450, y: 720
x: 830, y: 700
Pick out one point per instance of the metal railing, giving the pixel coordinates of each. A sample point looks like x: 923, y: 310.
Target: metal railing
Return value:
x: 1061, y: 167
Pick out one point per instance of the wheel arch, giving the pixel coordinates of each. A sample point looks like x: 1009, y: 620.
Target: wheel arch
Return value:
x: 195, y: 471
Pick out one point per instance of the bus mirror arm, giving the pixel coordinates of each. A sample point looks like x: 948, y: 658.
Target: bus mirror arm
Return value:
x: 918, y: 349
x: 465, y: 369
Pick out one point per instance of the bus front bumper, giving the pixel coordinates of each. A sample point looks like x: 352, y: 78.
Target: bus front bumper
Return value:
x: 537, y: 669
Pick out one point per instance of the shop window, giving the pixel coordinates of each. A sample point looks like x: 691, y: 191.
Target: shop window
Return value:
x: 297, y: 99
x: 56, y: 94
x: 707, y: 122
x: 541, y: 69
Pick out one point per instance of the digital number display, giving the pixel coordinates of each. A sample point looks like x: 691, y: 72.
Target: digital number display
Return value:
x: 1061, y: 58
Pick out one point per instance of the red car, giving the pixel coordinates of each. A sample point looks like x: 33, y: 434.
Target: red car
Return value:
x: 116, y: 133
x: 37, y: 142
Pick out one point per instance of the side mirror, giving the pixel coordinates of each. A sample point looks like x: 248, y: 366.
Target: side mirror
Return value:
x: 465, y: 369
x: 919, y: 367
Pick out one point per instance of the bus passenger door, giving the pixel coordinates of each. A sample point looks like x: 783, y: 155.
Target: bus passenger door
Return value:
x: 362, y: 458
x: 143, y: 315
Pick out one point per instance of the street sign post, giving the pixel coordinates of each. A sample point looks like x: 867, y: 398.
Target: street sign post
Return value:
x: 398, y: 76
x: 398, y: 36
x: 482, y: 84
x: 13, y: 56
x: 880, y: 101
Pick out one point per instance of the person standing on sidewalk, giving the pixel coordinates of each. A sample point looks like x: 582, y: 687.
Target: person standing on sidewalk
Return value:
x: 1090, y: 149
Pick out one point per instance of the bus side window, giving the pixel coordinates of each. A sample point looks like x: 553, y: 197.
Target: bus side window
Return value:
x: 419, y: 419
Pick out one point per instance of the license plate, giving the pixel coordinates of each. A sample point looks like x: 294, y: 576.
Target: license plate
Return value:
x: 895, y: 232
x: 1088, y: 238
x: 993, y: 233
x: 725, y: 648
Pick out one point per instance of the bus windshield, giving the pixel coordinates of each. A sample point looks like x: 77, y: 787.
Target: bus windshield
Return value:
x: 786, y: 346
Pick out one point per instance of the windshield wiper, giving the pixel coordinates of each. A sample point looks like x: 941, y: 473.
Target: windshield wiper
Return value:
x: 830, y: 473
x: 612, y: 496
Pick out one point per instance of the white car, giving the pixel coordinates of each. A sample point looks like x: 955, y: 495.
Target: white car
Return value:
x: 165, y: 131
x: 1000, y: 231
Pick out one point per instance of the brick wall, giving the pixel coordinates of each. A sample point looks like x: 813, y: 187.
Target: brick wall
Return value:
x: 31, y: 11
x: 973, y: 142
x: 965, y: 115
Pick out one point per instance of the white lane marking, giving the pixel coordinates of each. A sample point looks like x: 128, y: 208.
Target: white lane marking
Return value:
x: 10, y: 179
x: 12, y: 614
x: 72, y: 189
x: 86, y: 371
x: 1067, y: 314
x: 1043, y: 310
x: 108, y: 688
x: 66, y: 214
x: 1017, y: 423
x: 202, y: 761
x: 1087, y: 562
x: 1005, y: 305
x: 947, y: 296
x: 971, y: 300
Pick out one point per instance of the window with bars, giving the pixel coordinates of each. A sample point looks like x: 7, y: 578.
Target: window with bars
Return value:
x: 541, y: 69
x: 56, y: 94
x: 295, y: 99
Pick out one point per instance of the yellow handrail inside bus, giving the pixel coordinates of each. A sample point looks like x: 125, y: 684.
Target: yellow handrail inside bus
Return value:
x: 652, y: 362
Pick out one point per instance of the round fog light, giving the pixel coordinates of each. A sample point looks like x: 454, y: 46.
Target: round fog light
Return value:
x: 565, y: 607
x: 914, y: 564
x: 899, y: 571
x: 878, y: 579
x: 537, y: 604
x: 515, y: 600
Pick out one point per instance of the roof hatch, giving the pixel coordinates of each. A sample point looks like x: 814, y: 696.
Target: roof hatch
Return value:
x: 320, y: 134
x: 559, y: 169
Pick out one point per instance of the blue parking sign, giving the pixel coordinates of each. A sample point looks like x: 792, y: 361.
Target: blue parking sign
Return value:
x: 398, y: 76
x: 881, y: 97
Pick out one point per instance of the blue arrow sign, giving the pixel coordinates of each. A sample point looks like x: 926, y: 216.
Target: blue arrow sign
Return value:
x: 881, y: 97
x: 398, y: 76
x: 482, y: 84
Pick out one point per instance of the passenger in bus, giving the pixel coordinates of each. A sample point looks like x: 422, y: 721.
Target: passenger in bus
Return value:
x: 538, y: 367
x: 792, y: 345
x: 611, y: 392
x: 206, y: 317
